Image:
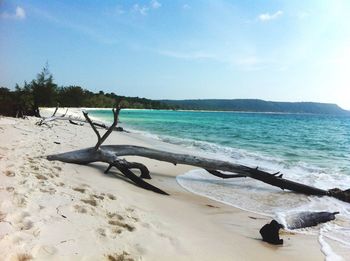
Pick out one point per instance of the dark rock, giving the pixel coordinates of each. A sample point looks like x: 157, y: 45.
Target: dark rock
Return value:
x: 270, y: 233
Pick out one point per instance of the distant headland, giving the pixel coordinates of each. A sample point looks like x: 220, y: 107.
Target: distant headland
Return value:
x: 256, y: 105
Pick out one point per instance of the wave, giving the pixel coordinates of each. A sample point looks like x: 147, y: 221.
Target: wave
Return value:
x: 299, y: 171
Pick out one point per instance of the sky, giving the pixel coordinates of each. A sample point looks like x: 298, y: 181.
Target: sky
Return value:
x: 181, y: 49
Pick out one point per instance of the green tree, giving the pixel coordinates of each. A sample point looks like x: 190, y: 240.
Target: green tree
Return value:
x: 24, y: 99
x: 72, y: 96
x: 44, y: 90
x: 7, y: 102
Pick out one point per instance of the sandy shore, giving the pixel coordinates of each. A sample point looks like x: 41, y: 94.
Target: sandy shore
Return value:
x: 57, y: 211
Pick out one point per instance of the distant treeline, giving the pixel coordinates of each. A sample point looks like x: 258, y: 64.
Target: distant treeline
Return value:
x: 43, y: 92
x: 255, y: 105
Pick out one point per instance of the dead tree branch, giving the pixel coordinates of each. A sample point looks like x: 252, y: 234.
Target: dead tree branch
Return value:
x: 111, y: 154
x: 54, y: 113
x: 100, y: 139
x: 63, y: 115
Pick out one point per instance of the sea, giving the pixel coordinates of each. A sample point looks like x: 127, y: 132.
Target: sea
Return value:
x: 307, y: 148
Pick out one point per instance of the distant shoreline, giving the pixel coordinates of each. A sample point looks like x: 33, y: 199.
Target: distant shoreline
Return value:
x: 184, y: 110
x: 247, y: 112
x: 256, y: 105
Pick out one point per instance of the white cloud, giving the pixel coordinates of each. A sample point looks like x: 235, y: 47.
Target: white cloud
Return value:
x: 248, y: 61
x: 19, y: 14
x: 119, y: 10
x: 303, y: 14
x: 267, y: 16
x: 140, y: 9
x: 252, y: 63
x: 186, y: 7
x: 155, y: 4
x: 196, y: 55
x: 143, y: 9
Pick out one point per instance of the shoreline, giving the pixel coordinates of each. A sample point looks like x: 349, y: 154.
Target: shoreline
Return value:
x: 184, y: 225
x: 243, y: 112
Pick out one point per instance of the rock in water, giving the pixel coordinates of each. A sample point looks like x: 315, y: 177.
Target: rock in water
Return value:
x: 269, y: 233
x: 309, y: 219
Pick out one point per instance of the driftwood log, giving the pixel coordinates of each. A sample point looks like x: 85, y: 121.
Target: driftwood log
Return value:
x: 309, y: 219
x: 111, y: 154
x: 73, y: 120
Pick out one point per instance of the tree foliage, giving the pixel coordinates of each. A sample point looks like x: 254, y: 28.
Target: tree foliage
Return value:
x: 44, y: 92
x: 43, y: 88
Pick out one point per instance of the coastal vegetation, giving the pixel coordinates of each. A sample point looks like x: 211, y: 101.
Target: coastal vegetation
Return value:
x: 44, y: 92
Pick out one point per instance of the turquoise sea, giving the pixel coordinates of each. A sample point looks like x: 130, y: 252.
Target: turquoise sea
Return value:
x: 316, y: 140
x: 313, y: 149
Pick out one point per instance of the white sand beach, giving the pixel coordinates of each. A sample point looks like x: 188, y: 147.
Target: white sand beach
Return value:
x: 57, y: 211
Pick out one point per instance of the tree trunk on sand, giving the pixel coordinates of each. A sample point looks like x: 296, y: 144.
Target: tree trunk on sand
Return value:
x: 111, y: 154
x: 73, y: 120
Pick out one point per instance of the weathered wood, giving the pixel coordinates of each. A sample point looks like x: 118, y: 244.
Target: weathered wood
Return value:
x: 309, y: 219
x: 134, y: 165
x: 343, y: 195
x: 100, y: 139
x: 224, y: 176
x: 104, y: 126
x: 63, y: 117
x: 54, y: 113
x: 75, y: 123
x: 54, y: 118
x: 89, y: 155
x: 124, y: 167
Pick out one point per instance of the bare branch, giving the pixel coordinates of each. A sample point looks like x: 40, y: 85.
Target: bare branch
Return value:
x: 129, y: 174
x: 94, y: 128
x: 224, y: 176
x: 134, y: 165
x: 115, y: 111
x: 100, y: 139
x: 63, y: 115
x: 54, y: 113
x: 144, y: 170
x: 75, y: 123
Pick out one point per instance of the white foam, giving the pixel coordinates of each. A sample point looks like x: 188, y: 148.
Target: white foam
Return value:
x: 325, y: 247
x: 316, y: 176
x: 145, y: 134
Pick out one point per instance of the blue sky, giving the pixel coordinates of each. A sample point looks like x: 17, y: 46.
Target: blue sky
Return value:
x: 272, y: 50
